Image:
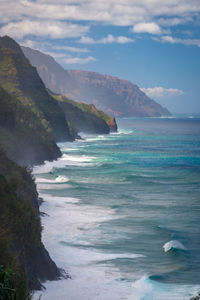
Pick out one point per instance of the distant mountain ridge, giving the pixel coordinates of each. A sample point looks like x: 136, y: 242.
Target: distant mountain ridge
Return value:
x: 108, y: 93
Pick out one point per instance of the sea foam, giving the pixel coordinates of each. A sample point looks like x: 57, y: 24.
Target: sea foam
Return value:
x: 62, y: 162
x: 173, y: 244
x: 59, y: 179
x: 101, y: 253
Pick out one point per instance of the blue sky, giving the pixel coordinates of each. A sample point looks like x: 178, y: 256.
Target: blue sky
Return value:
x: 152, y: 43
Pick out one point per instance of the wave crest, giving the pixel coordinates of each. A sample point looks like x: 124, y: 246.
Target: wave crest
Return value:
x: 173, y: 245
x: 59, y: 179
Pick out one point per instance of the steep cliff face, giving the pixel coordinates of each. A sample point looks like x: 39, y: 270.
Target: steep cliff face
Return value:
x: 85, y: 117
x: 25, y: 137
x: 30, y: 121
x: 110, y: 94
x: 20, y: 228
x: 20, y: 79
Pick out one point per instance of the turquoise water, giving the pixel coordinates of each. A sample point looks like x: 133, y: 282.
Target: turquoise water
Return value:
x: 124, y: 212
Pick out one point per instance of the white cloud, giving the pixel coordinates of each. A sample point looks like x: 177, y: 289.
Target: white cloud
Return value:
x: 71, y: 49
x: 43, y: 28
x: 159, y: 92
x: 63, y: 57
x: 173, y: 40
x: 45, y: 46
x: 172, y: 21
x: 78, y: 60
x: 31, y: 44
x: 151, y: 28
x: 116, y: 12
x: 31, y: 17
x: 106, y: 40
x: 54, y: 54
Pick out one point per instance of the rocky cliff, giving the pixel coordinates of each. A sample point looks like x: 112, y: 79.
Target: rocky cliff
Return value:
x: 85, y: 117
x: 110, y: 94
x: 20, y: 79
x: 20, y: 230
x: 31, y: 121
x: 22, y: 133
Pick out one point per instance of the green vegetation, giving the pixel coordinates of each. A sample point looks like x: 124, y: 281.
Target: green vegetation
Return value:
x: 13, y: 285
x: 21, y: 248
x: 22, y: 81
x: 30, y: 121
x: 85, y: 117
x: 26, y: 132
x: 82, y: 120
x: 88, y: 108
x: 26, y: 138
x: 20, y: 227
x: 18, y: 195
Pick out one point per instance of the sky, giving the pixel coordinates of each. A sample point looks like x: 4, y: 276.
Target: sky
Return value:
x: 152, y: 43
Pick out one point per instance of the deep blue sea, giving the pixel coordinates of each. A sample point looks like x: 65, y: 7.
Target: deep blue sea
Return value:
x: 123, y: 212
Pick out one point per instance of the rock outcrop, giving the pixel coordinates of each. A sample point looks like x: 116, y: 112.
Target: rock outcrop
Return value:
x: 85, y: 117
x: 20, y: 228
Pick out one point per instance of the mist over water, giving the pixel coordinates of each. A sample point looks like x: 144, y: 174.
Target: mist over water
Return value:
x: 123, y: 212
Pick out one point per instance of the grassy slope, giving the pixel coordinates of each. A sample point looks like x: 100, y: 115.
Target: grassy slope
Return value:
x: 20, y: 79
x: 90, y: 110
x: 26, y: 138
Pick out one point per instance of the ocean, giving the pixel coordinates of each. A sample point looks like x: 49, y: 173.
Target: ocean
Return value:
x: 122, y: 212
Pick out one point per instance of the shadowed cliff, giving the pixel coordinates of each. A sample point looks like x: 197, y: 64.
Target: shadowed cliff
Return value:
x: 20, y: 228
x: 20, y: 79
x: 25, y: 137
x: 85, y: 117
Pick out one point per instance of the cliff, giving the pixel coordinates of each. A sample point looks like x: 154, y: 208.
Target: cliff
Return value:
x: 20, y: 79
x: 85, y: 117
x: 31, y: 122
x: 110, y: 94
x: 20, y: 229
x: 24, y: 136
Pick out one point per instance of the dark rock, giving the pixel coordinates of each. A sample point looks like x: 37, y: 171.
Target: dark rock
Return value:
x: 85, y: 117
x: 39, y: 267
x: 19, y: 218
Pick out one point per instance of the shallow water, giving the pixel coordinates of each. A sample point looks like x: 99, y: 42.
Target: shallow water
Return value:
x: 123, y: 212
